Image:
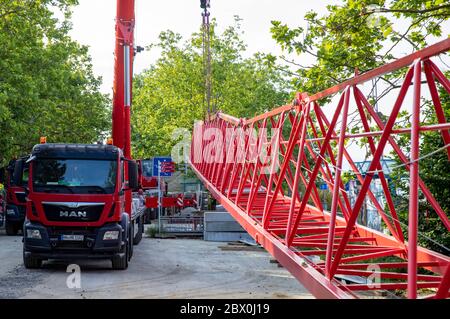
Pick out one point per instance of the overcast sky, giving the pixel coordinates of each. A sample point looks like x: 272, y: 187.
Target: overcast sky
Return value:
x: 93, y: 25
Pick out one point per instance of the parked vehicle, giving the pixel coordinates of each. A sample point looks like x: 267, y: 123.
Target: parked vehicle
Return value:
x: 15, y: 199
x: 2, y: 205
x: 82, y: 199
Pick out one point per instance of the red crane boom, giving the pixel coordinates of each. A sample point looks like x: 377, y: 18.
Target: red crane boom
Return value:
x: 123, y: 75
x: 270, y: 185
x: 123, y: 80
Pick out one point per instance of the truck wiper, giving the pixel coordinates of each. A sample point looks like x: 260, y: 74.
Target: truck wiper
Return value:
x: 99, y: 188
x: 54, y: 188
x: 67, y: 187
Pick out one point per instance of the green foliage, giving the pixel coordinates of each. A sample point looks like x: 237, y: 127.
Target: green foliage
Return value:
x: 358, y: 35
x: 347, y: 176
x: 152, y: 230
x: 47, y: 87
x: 170, y: 94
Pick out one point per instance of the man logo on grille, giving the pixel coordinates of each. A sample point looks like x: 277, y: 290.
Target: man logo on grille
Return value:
x: 79, y: 214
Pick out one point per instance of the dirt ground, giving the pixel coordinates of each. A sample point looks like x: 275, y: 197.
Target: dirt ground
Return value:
x: 160, y: 268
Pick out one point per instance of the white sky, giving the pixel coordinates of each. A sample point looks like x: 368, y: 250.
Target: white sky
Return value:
x: 93, y: 25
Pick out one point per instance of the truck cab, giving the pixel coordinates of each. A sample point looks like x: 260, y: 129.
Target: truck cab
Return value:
x: 151, y: 187
x: 147, y: 180
x: 2, y: 206
x: 75, y: 206
x: 14, y: 215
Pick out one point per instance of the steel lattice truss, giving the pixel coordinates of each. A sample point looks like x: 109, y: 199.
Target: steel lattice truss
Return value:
x: 320, y: 247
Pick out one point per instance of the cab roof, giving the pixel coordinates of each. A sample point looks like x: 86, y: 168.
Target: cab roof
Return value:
x: 76, y: 151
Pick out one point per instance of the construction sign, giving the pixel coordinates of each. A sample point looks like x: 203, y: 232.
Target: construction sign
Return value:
x: 160, y: 162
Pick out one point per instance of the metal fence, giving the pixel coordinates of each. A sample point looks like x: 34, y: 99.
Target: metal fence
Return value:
x: 182, y: 225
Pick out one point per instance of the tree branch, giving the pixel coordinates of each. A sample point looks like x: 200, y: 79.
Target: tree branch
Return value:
x: 387, y: 10
x: 294, y: 63
x: 6, y: 13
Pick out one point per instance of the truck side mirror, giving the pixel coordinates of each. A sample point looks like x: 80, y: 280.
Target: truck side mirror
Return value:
x: 133, y: 175
x: 18, y: 172
x: 2, y: 175
x: 139, y: 167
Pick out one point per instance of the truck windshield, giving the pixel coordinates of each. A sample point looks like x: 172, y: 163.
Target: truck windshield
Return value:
x: 147, y: 168
x: 74, y: 176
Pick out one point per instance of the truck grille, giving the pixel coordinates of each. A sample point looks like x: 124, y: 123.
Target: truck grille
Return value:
x: 88, y: 212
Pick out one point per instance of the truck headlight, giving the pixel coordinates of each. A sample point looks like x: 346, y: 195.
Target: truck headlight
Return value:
x: 34, y: 234
x: 111, y: 235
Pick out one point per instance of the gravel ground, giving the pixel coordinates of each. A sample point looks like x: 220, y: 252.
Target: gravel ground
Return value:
x: 160, y: 268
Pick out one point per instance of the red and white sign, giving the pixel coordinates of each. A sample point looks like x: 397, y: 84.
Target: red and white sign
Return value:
x: 167, y: 167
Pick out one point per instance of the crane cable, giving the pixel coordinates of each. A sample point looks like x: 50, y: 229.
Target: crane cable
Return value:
x: 205, y: 4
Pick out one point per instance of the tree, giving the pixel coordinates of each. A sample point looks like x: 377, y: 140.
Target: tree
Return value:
x: 169, y: 95
x: 363, y: 35
x: 359, y: 35
x: 47, y: 86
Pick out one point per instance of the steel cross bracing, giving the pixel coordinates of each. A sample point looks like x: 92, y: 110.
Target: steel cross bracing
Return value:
x: 258, y: 180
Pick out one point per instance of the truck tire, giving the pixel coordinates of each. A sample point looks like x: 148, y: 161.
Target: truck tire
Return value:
x: 137, y: 239
x: 31, y: 262
x: 118, y: 262
x: 131, y: 241
x: 147, y: 216
x: 19, y: 228
x: 11, y: 229
x: 121, y: 262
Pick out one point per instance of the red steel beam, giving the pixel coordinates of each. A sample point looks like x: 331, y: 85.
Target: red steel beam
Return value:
x: 425, y: 128
x: 312, y: 279
x: 392, y: 286
x: 413, y: 223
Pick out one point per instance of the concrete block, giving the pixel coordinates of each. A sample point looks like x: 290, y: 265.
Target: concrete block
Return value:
x: 218, y: 217
x: 228, y: 226
x: 221, y: 227
x: 226, y: 236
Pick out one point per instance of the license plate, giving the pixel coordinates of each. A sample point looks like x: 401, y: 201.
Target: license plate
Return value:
x: 72, y: 237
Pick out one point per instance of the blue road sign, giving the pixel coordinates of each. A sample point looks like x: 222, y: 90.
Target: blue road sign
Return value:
x: 156, y: 161
x: 323, y: 186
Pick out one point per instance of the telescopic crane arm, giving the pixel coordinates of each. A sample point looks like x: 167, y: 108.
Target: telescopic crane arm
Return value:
x: 123, y: 75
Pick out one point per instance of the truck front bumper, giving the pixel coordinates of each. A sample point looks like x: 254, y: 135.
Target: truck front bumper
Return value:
x: 53, y: 245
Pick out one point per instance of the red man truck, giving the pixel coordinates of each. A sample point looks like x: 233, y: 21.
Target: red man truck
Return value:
x: 80, y: 201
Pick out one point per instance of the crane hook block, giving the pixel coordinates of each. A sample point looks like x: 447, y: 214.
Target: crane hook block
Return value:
x: 205, y: 4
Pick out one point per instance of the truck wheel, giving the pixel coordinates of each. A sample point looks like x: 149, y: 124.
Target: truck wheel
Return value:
x: 147, y: 216
x: 19, y: 227
x: 11, y: 229
x: 31, y: 262
x: 131, y: 241
x: 121, y: 262
x: 140, y: 225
